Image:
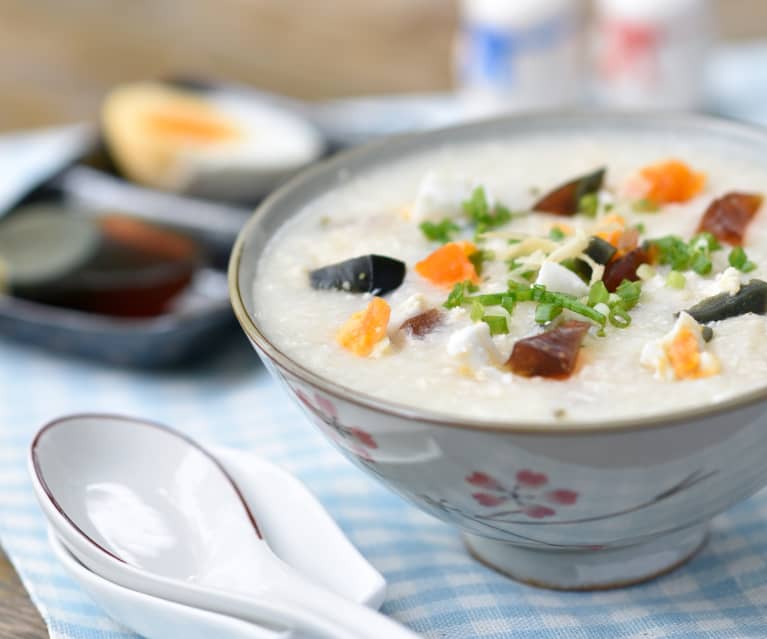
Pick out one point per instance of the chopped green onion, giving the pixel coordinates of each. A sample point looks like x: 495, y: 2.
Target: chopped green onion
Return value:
x: 537, y: 292
x: 478, y: 259
x: 546, y: 312
x: 704, y: 241
x: 682, y: 256
x: 640, y: 227
x: 629, y: 293
x: 497, y: 324
x: 619, y: 316
x: 598, y: 293
x: 439, y: 231
x: 676, y: 280
x: 487, y: 299
x: 701, y: 264
x: 508, y: 302
x: 672, y: 250
x: 478, y: 210
x: 457, y: 295
x: 738, y: 259
x: 556, y: 234
x: 645, y: 206
x: 572, y: 304
x: 520, y: 292
x: 588, y: 204
x: 477, y: 311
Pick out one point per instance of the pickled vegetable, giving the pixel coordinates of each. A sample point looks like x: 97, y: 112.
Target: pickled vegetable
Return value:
x: 41, y: 244
x: 727, y: 217
x: 422, y: 324
x: 751, y: 298
x: 552, y: 354
x: 364, y: 274
x: 567, y: 198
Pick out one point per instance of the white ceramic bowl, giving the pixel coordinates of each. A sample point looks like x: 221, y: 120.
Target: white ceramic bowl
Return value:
x: 563, y: 507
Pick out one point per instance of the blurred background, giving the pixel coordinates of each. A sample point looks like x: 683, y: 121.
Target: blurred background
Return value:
x: 58, y: 57
x: 115, y: 233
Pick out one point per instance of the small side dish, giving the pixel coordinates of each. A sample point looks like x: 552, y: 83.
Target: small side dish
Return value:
x: 110, y: 264
x: 542, y: 279
x: 217, y: 144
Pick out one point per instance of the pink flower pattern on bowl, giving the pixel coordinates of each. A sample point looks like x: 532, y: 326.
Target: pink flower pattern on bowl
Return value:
x: 357, y: 439
x: 529, y: 495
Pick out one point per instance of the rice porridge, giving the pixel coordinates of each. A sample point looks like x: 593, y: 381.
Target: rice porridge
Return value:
x: 575, y: 280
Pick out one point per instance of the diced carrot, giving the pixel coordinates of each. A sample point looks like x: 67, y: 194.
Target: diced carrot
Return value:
x: 610, y: 228
x: 671, y: 181
x: 364, y: 329
x: 449, y: 265
x: 684, y: 355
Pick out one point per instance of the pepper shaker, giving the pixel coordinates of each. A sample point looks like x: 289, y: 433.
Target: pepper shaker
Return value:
x: 519, y: 54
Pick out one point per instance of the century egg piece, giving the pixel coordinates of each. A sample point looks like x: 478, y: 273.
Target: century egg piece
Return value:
x: 423, y: 323
x: 363, y: 274
x: 550, y: 354
x: 727, y: 217
x: 566, y: 199
x: 751, y: 298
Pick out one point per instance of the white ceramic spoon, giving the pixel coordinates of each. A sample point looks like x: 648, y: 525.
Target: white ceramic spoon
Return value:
x: 163, y: 517
x: 286, y: 510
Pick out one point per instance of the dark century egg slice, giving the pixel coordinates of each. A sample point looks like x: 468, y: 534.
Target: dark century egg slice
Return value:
x: 363, y: 274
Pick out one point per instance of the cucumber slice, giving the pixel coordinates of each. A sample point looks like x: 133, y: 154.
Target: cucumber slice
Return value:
x: 41, y: 244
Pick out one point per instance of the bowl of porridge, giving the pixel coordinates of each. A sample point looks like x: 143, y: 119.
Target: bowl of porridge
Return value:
x: 548, y: 330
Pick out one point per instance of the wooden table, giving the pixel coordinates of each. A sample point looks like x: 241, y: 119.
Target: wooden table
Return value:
x: 58, y: 57
x: 18, y: 618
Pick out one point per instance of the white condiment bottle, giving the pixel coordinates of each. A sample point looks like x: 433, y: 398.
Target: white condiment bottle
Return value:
x: 651, y: 53
x: 519, y: 54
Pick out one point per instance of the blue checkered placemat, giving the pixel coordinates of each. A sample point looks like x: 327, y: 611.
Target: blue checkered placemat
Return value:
x: 434, y: 587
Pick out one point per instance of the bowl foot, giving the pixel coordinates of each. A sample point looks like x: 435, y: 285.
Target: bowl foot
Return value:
x: 589, y: 569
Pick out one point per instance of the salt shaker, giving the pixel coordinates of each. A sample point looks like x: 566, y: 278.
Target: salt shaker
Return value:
x: 651, y: 54
x: 519, y: 54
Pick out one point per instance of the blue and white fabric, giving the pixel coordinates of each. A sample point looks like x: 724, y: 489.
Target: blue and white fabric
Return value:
x: 434, y: 586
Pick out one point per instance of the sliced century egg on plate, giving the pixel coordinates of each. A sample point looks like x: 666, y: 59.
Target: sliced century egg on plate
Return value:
x: 109, y: 264
x: 218, y: 144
